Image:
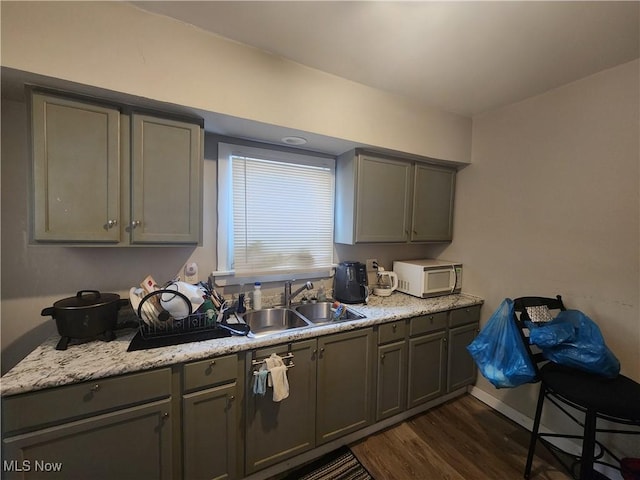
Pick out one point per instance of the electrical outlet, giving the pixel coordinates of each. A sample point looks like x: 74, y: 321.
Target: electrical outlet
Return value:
x: 191, y: 273
x: 370, y: 264
x: 372, y: 271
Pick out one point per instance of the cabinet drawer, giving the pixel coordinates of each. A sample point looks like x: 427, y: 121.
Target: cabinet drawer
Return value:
x: 391, y: 332
x: 462, y: 316
x: 428, y: 323
x: 210, y: 372
x: 55, y: 405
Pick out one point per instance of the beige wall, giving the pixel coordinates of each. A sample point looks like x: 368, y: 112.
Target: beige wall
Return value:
x: 550, y: 205
x: 116, y: 46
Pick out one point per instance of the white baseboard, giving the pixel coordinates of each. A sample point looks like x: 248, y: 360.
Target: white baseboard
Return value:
x: 503, y: 408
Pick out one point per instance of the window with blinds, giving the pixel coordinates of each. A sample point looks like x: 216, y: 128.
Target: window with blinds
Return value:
x: 275, y: 211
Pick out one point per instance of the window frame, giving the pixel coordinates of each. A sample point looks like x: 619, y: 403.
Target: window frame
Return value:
x: 224, y: 274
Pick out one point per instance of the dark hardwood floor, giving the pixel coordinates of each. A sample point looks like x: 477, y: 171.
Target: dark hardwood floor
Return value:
x: 463, y: 439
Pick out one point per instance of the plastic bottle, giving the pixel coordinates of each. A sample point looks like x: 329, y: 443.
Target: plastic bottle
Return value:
x: 257, y: 296
x: 338, y: 309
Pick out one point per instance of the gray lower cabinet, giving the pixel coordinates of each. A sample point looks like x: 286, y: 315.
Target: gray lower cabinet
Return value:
x: 345, y: 383
x: 113, y: 428
x: 427, y: 358
x: 391, y: 385
x: 427, y: 367
x: 464, y: 325
x: 104, y: 177
x: 210, y: 419
x: 134, y: 443
x: 276, y: 431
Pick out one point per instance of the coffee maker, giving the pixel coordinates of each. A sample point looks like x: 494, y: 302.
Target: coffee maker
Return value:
x: 351, y: 283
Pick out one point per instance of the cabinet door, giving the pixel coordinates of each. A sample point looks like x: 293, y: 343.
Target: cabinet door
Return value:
x: 392, y: 379
x: 461, y: 367
x: 209, y: 433
x: 345, y: 384
x: 280, y: 430
x: 133, y: 443
x: 76, y: 171
x: 427, y: 357
x: 382, y: 200
x: 434, y: 189
x: 166, y: 184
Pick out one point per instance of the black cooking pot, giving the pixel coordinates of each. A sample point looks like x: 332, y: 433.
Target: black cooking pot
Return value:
x: 87, y: 315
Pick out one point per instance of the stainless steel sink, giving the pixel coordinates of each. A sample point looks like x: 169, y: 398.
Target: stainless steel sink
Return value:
x: 274, y: 320
x: 320, y: 313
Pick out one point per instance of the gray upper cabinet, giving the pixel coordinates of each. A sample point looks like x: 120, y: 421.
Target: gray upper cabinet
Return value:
x: 166, y: 159
x: 76, y: 171
x: 392, y: 200
x: 373, y: 200
x: 432, y: 218
x: 103, y: 177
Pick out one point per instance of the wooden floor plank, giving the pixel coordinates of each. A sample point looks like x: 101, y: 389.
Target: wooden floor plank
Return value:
x: 460, y: 440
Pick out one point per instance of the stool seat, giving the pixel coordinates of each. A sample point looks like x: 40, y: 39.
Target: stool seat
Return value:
x: 617, y: 397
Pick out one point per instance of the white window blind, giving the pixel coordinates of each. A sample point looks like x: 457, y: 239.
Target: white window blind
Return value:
x: 278, y: 215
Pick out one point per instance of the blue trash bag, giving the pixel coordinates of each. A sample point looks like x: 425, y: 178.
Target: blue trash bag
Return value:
x: 584, y: 350
x: 499, y: 351
x: 550, y: 334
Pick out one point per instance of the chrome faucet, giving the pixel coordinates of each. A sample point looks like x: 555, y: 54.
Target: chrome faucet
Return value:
x: 288, y: 296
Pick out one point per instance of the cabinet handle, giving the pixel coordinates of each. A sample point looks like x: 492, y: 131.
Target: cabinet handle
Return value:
x: 212, y: 363
x: 112, y: 223
x: 232, y: 398
x: 135, y: 223
x: 165, y: 415
x: 382, y: 356
x: 95, y: 388
x: 394, y: 327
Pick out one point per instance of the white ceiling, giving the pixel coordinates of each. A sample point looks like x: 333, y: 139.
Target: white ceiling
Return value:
x: 462, y: 57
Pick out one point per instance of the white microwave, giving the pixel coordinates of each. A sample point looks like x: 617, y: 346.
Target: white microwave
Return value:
x: 428, y: 278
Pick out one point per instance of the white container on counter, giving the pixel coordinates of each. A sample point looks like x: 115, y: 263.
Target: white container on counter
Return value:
x: 257, y: 296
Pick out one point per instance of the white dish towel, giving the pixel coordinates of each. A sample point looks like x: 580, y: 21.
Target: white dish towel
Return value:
x: 278, y: 377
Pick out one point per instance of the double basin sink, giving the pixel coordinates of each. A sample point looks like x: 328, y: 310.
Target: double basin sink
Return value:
x: 279, y: 319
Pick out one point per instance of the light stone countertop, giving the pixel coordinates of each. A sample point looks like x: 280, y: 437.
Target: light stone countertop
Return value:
x: 47, y: 367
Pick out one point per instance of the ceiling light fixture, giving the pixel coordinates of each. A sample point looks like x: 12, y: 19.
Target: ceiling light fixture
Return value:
x: 294, y: 140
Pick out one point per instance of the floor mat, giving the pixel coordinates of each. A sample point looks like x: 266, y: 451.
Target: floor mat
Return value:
x: 340, y: 464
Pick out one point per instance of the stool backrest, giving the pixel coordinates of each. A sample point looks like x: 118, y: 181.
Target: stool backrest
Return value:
x: 534, y: 309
